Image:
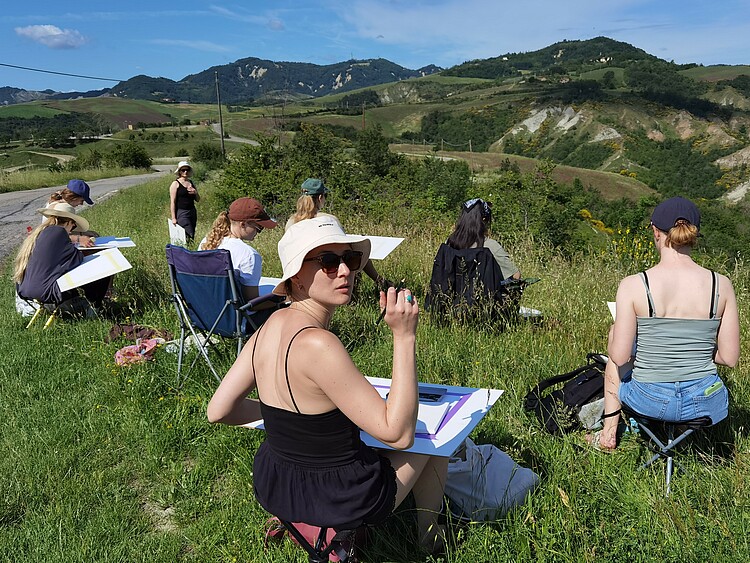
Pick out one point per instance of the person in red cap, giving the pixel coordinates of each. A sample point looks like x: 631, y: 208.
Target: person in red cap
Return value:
x: 674, y: 323
x: 232, y: 230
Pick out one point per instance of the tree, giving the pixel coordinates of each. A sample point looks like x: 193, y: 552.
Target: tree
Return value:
x: 373, y: 152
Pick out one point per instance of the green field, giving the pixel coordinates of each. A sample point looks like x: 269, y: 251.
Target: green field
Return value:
x: 107, y: 463
x: 714, y: 73
x: 30, y: 109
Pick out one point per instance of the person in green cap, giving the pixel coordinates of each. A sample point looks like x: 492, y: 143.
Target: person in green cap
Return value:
x: 309, y: 204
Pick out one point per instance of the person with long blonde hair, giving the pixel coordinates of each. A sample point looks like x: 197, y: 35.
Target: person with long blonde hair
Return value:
x: 309, y: 205
x: 48, y: 253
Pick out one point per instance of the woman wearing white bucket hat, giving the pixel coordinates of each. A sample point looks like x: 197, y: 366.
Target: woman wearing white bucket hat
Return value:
x: 314, y: 400
x: 48, y: 253
x: 183, y: 195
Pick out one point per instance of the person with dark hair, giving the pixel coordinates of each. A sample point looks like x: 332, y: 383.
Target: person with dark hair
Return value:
x: 183, y: 195
x: 674, y: 323
x: 472, y: 230
x: 313, y: 466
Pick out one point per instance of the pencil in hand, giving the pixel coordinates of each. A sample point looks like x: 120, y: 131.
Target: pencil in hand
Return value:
x: 399, y: 287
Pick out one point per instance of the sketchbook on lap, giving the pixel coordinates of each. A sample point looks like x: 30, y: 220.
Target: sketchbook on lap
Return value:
x: 95, y: 267
x: 442, y: 425
x: 110, y: 242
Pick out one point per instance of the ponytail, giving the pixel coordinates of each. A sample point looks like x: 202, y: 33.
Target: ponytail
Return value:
x: 219, y: 230
x: 683, y: 233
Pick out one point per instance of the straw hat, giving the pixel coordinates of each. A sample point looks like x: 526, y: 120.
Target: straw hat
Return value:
x: 67, y: 211
x: 182, y: 164
x: 309, y: 234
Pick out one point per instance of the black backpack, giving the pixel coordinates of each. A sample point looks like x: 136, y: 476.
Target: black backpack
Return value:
x: 558, y: 410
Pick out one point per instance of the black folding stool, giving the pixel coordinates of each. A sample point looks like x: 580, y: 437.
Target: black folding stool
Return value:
x: 665, y: 437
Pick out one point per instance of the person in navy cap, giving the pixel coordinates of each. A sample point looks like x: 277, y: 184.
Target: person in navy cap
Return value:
x: 75, y: 194
x: 675, y: 322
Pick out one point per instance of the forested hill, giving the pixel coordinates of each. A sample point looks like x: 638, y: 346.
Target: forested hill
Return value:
x: 562, y: 58
x: 249, y: 79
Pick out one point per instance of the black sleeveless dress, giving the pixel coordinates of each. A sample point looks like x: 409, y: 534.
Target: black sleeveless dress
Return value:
x: 314, y: 468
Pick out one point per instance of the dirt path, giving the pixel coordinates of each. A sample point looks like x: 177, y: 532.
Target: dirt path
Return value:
x: 62, y: 158
x: 18, y: 209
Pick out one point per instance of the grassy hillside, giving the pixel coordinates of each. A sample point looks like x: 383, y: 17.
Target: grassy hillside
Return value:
x: 714, y: 73
x: 611, y: 186
x: 108, y: 463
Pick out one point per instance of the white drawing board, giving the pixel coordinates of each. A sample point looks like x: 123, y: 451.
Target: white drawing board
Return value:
x: 95, y: 267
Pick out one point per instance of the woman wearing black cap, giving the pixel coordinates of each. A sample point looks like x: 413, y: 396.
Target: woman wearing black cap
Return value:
x: 674, y: 322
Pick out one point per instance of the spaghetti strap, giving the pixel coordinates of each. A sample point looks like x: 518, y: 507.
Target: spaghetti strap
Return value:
x: 714, y: 295
x: 286, y: 366
x: 651, y: 307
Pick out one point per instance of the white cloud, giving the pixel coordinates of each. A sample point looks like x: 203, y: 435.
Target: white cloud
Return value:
x: 198, y: 45
x: 52, y: 36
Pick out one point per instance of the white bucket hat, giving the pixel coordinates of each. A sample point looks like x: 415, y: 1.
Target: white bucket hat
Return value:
x: 182, y: 164
x: 66, y: 210
x: 309, y: 234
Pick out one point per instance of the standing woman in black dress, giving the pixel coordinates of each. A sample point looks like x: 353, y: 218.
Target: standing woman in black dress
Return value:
x: 183, y: 196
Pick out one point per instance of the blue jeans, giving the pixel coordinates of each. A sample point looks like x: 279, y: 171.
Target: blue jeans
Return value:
x: 679, y: 401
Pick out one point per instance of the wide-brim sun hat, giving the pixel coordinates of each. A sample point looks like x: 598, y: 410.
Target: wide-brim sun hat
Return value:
x: 67, y: 211
x: 309, y: 234
x: 182, y: 164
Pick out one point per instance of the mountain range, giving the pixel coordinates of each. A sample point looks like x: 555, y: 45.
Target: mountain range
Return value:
x: 243, y: 81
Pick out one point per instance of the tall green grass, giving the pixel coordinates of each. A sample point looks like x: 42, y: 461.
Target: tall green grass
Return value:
x: 32, y: 179
x: 102, y: 463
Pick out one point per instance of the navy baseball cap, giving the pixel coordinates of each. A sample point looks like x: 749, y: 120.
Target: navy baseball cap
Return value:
x: 81, y: 188
x: 669, y: 211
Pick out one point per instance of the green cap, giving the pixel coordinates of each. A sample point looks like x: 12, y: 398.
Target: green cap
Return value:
x: 314, y: 186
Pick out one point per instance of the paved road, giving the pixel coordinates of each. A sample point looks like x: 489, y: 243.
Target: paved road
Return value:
x: 217, y: 129
x: 18, y: 209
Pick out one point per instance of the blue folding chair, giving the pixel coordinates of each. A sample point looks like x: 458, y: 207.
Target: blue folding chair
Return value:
x: 208, y: 302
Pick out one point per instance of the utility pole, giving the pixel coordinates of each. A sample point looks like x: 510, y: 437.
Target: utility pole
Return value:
x: 363, y: 116
x: 221, y: 122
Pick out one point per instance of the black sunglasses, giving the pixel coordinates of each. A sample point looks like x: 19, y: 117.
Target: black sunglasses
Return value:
x: 258, y: 228
x: 330, y: 261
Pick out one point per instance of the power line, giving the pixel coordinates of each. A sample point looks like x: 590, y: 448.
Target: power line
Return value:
x: 62, y: 73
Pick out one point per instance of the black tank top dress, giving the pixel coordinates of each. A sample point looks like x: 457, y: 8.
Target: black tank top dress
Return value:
x: 314, y: 468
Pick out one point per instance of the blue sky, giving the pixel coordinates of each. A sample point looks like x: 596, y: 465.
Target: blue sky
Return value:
x: 120, y: 40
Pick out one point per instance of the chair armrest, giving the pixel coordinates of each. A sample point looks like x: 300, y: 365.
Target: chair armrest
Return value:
x: 268, y: 298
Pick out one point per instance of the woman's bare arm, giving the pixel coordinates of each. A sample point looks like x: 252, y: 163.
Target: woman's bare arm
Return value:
x: 624, y: 330
x: 173, y: 187
x: 229, y: 404
x: 328, y: 364
x: 728, y: 338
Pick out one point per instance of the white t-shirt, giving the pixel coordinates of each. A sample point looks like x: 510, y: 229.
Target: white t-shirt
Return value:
x: 246, y: 260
